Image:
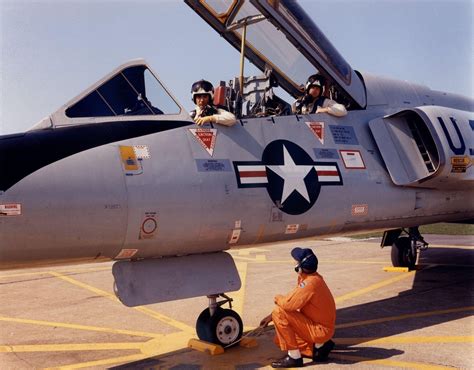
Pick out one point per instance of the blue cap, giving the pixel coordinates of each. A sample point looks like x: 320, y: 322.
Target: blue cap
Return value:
x: 306, y: 258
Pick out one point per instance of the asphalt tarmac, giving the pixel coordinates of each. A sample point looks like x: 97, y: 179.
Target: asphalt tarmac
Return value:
x: 69, y: 317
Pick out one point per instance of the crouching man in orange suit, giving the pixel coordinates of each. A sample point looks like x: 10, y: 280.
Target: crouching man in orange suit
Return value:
x: 305, y: 318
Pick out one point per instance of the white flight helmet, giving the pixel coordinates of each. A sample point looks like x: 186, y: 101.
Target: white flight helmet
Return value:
x: 202, y: 87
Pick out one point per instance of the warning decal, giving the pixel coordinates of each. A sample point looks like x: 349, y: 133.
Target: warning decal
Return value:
x: 148, y: 226
x: 360, y: 210
x: 352, y: 159
x: 141, y: 151
x: 13, y: 209
x: 234, y: 238
x: 129, y: 158
x: 318, y: 130
x: 206, y: 137
x: 292, y: 228
x: 126, y: 253
x: 460, y: 164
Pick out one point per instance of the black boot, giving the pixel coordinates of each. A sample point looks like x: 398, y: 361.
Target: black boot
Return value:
x: 286, y: 362
x: 321, y: 354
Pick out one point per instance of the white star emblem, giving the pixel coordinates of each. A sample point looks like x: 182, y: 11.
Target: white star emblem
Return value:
x: 293, y: 175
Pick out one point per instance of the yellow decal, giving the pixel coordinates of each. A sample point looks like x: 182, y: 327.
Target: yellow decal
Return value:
x: 460, y: 164
x: 129, y: 158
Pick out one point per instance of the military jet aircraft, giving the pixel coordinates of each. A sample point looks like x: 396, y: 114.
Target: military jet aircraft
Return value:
x: 121, y: 172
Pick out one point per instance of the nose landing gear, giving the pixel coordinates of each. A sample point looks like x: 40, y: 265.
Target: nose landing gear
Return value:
x: 405, y: 249
x: 218, y: 325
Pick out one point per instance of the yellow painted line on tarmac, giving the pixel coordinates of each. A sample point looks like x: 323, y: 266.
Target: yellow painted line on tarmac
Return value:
x: 79, y: 270
x: 45, y: 272
x: 154, y: 347
x: 95, y: 269
x: 165, y: 343
x: 145, y: 310
x: 166, y: 319
x: 406, y: 340
x: 251, y: 259
x: 373, y: 287
x: 403, y: 317
x: 289, y: 261
x: 107, y: 361
x: 24, y: 274
x: 396, y: 269
x: 82, y: 327
x: 88, y: 287
x: 247, y: 251
x: 356, y: 262
x: 395, y: 363
x: 260, y: 257
x: 71, y: 347
x: 168, y: 343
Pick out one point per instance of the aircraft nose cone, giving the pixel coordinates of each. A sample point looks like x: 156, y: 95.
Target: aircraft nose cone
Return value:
x: 73, y: 208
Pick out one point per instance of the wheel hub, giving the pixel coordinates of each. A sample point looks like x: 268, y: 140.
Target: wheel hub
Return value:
x: 227, y: 330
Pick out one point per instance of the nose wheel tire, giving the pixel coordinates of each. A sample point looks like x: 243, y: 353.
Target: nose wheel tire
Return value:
x: 402, y: 253
x: 224, y: 327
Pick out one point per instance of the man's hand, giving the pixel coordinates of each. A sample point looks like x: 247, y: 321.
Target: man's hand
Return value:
x: 202, y: 120
x: 277, y: 299
x: 322, y: 110
x: 265, y: 321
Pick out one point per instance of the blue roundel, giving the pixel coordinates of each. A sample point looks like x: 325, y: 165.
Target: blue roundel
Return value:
x: 292, y: 179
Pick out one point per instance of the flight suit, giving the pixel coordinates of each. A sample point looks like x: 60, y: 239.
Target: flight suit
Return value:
x: 222, y: 116
x: 305, y: 316
x: 301, y: 106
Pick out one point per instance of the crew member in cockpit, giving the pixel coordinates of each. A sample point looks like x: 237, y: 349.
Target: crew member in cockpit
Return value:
x: 203, y: 94
x: 314, y: 102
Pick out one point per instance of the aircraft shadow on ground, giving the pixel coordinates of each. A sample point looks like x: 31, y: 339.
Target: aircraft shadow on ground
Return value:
x: 444, y: 283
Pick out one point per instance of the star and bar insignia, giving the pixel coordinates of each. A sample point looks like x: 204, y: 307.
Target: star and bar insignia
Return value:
x: 292, y: 179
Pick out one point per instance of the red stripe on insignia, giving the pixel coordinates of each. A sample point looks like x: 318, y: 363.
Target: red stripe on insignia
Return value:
x: 253, y: 174
x: 328, y: 173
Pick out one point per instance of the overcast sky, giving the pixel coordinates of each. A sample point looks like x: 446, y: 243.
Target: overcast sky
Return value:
x: 52, y: 50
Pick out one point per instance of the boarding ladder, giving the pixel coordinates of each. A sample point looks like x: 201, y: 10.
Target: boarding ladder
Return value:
x: 421, y: 146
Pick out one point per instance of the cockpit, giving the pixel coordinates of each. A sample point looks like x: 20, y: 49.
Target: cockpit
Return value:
x: 282, y: 40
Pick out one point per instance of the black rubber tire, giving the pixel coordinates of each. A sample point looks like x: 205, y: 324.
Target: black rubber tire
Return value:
x: 224, y: 327
x: 402, y: 255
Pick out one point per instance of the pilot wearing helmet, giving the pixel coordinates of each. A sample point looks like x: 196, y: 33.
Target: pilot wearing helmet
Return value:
x: 314, y: 102
x: 305, y: 318
x: 202, y: 95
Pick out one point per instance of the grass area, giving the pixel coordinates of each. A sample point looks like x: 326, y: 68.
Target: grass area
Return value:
x: 441, y: 228
x: 447, y: 229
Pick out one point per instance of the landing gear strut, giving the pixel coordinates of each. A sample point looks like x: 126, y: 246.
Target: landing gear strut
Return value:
x: 218, y: 325
x: 405, y: 249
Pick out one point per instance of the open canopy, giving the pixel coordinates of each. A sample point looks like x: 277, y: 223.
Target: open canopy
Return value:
x: 281, y: 35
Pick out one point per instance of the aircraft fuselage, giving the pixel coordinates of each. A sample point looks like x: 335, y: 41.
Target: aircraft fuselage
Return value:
x: 181, y: 191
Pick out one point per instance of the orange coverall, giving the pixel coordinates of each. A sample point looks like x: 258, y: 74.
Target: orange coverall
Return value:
x: 305, y: 316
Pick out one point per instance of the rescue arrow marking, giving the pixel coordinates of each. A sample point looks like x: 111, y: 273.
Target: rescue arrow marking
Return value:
x: 206, y: 137
x: 317, y: 128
